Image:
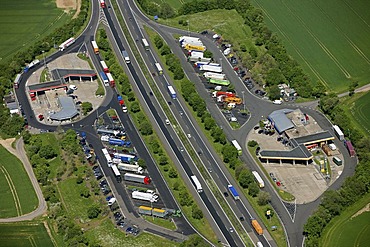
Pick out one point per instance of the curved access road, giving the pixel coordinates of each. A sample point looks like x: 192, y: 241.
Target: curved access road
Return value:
x: 42, y: 207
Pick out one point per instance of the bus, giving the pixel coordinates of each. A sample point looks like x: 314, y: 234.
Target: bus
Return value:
x: 145, y: 44
x: 237, y: 146
x: 17, y: 81
x: 107, y: 157
x: 159, y: 68
x: 117, y: 174
x: 197, y: 184
x: 258, y: 178
x: 219, y: 82
x: 95, y: 46
x: 172, y: 92
x: 104, y: 78
x: 105, y: 67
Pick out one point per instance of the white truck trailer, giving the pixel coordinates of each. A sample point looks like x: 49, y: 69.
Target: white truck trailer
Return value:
x: 130, y: 168
x: 144, y: 196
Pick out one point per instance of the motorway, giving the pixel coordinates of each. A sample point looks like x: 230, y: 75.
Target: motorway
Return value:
x: 256, y: 106
x: 258, y: 109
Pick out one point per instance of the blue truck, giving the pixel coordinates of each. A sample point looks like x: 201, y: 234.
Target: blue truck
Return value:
x: 126, y: 158
x: 233, y: 192
x: 116, y: 142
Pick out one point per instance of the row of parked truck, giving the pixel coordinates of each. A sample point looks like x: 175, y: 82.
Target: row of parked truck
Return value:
x: 211, y: 71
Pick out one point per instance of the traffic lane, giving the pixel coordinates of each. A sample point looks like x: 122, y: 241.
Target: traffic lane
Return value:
x: 173, y: 145
x: 161, y: 123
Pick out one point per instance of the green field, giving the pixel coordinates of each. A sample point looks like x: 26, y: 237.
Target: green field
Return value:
x: 329, y: 38
x: 23, y: 22
x: 176, y: 4
x: 24, y: 234
x: 16, y: 192
x: 361, y: 111
x: 345, y: 231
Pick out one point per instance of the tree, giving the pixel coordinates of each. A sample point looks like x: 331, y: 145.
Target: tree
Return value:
x: 253, y: 189
x: 142, y: 163
x: 252, y: 143
x: 86, y: 107
x: 158, y: 41
x: 274, y: 92
x: 196, y: 213
x: 47, y: 152
x: 166, y: 11
x: 194, y: 241
x: 176, y: 186
x: 172, y: 173
x: 185, y: 199
x: 245, y: 178
x: 84, y: 192
x: 145, y: 128
x: 135, y: 107
x: 229, y: 152
x: 165, y: 50
x: 163, y: 160
x: 208, y: 54
x: 263, y: 198
x: 93, y: 211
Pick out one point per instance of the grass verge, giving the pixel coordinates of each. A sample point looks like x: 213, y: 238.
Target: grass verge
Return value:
x: 166, y: 223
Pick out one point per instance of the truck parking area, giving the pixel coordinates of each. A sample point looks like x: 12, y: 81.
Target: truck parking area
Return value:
x: 125, y: 162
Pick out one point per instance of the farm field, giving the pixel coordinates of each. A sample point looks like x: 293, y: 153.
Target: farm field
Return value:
x: 17, y: 194
x: 328, y: 38
x: 173, y: 3
x: 24, y: 21
x: 24, y: 234
x: 349, y: 229
x: 361, y: 111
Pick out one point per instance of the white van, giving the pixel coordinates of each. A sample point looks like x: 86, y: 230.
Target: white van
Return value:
x: 73, y: 87
x: 278, y: 102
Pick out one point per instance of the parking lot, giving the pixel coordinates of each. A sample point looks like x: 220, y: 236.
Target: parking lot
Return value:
x: 47, y: 102
x: 110, y: 122
x: 306, y: 183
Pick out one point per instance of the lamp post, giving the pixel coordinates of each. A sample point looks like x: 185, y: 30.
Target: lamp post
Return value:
x: 43, y: 53
x: 188, y: 27
x: 243, y: 101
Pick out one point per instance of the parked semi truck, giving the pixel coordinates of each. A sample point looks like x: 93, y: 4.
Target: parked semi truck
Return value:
x: 216, y: 94
x: 126, y: 158
x: 161, y: 213
x: 257, y: 227
x: 145, y: 196
x: 116, y: 142
x: 338, y: 132
x: 130, y: 168
x: 350, y: 148
x: 191, y: 47
x: 137, y: 178
x: 211, y: 75
x: 145, y: 210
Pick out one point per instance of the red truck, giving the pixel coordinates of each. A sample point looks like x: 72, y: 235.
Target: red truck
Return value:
x: 350, y: 148
x: 102, y: 3
x: 215, y: 94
